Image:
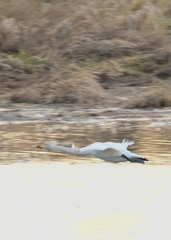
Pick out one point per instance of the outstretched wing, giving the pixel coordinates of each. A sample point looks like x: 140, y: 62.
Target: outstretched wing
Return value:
x: 95, y: 146
x: 101, y: 150
x: 127, y: 143
x: 108, y: 154
x: 120, y: 146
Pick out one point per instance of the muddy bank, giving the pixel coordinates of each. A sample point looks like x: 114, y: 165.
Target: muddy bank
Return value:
x: 27, y: 112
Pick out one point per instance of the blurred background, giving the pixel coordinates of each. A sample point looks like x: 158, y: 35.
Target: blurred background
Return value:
x: 91, y: 53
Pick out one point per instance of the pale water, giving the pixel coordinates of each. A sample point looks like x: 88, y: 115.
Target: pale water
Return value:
x: 49, y: 196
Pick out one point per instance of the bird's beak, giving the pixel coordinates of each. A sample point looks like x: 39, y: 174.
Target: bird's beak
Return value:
x: 40, y: 146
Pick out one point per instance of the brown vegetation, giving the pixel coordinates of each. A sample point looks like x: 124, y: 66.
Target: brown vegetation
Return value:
x: 83, y: 51
x: 154, y: 98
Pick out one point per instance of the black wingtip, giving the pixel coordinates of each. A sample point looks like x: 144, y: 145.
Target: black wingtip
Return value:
x: 140, y: 160
x: 136, y: 159
x: 144, y: 159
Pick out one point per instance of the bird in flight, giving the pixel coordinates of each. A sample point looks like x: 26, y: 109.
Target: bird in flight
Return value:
x: 108, y: 151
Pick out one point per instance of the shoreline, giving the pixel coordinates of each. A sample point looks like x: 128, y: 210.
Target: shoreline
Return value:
x: 49, y: 113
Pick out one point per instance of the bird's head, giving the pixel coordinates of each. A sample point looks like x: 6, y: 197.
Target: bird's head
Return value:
x: 42, y: 145
x: 46, y: 145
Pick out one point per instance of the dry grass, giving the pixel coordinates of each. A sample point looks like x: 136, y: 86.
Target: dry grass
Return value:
x: 154, y: 98
x: 59, y: 47
x: 77, y: 87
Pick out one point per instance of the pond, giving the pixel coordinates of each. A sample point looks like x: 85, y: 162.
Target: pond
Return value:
x: 51, y: 195
x: 19, y: 139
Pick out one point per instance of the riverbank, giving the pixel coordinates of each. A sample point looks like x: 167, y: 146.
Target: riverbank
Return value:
x: 61, y: 113
x: 102, y: 55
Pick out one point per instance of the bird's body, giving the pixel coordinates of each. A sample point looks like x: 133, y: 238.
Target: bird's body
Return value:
x: 108, y: 151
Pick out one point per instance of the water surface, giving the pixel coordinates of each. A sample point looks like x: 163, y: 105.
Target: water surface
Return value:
x: 18, y: 140
x: 51, y: 195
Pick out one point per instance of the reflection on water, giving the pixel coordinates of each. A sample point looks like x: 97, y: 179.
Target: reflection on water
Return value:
x: 18, y: 140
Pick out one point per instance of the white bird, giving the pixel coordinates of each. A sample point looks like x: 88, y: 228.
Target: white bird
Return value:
x: 109, y: 151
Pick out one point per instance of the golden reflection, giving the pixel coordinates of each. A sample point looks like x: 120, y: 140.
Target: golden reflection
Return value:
x: 18, y: 141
